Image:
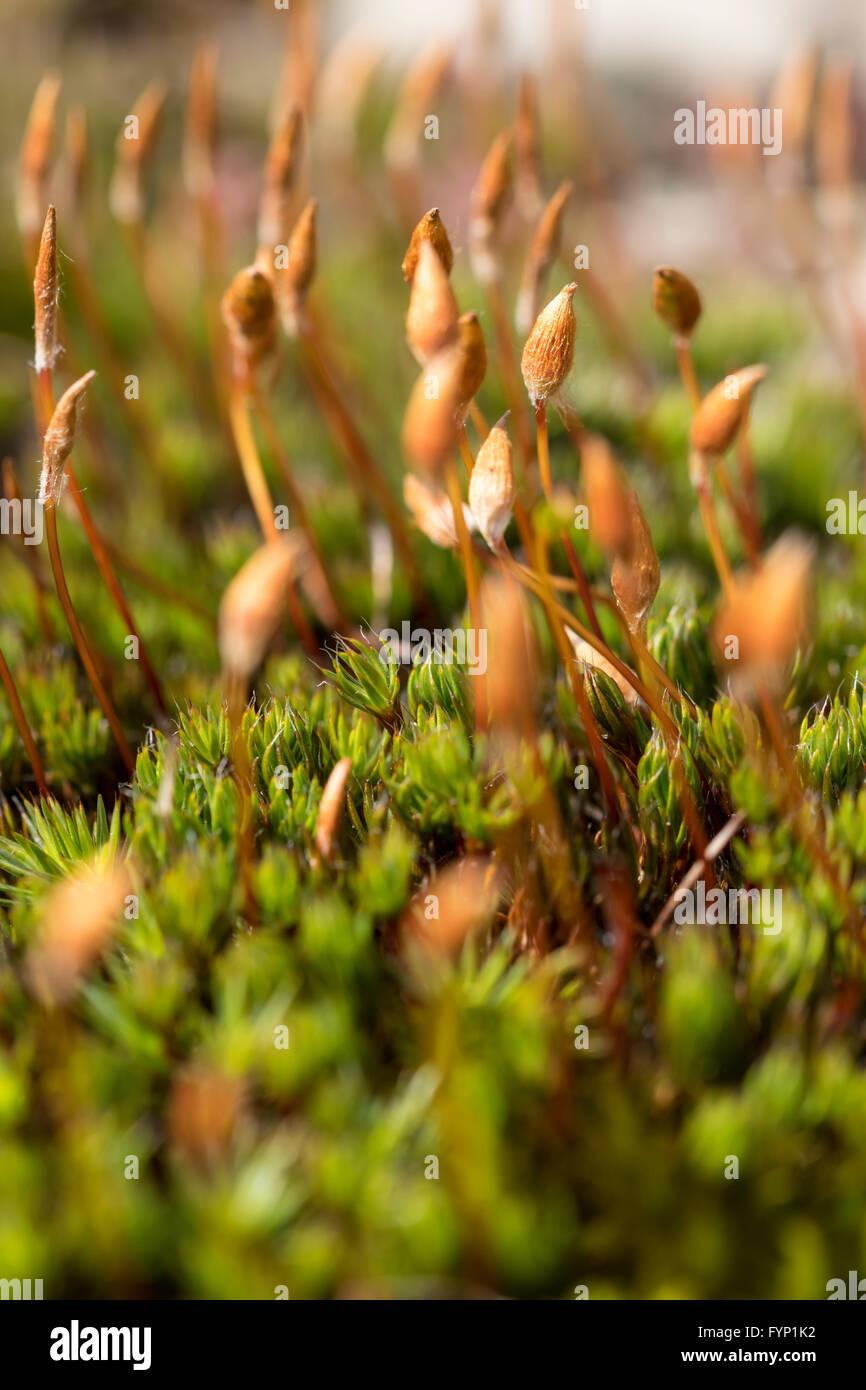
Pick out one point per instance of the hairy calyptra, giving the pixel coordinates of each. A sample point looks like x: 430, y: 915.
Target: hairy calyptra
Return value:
x: 442, y: 395
x: 491, y: 485
x: 200, y: 133
x: 676, y: 300
x: 635, y: 574
x: 431, y: 320
x: 281, y: 172
x: 37, y: 150
x: 549, y: 349
x: 331, y: 807
x: 135, y: 146
x: 607, y: 496
x: 766, y: 617
x: 45, y: 295
x: 249, y: 314
x: 255, y: 602
x: 78, y: 920
x: 543, y: 251
x: 293, y: 280
x: 465, y: 894
x: 429, y: 229
x: 489, y: 199
x: 724, y: 410
x: 59, y: 439
x: 432, y: 513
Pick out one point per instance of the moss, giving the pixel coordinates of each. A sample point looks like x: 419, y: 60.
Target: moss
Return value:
x: 558, y: 1103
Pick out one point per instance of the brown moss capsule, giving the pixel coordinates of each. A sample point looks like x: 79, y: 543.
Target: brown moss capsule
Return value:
x: 431, y: 423
x: 465, y: 895
x: 343, y: 84
x: 249, y: 314
x: 254, y: 603
x: 766, y: 617
x: 293, y: 280
x: 432, y: 512
x: 417, y: 96
x: 78, y: 920
x: 331, y: 808
x: 37, y: 146
x: 675, y: 300
x: 203, y: 1110
x: 37, y: 150
x: 281, y: 171
x: 430, y: 229
x: 473, y: 357
x: 493, y: 185
x: 200, y: 133
x: 78, y: 153
x: 545, y: 239
x: 489, y: 198
x: 301, y: 63
x: 431, y: 320
x: 549, y: 350
x: 607, y: 496
x: 635, y: 574
x: 834, y: 127
x: 543, y: 251
x: 59, y: 439
x: 491, y: 486
x: 442, y: 395
x: 527, y: 147
x: 721, y: 414
x: 135, y: 146
x: 301, y: 265
x: 794, y: 94
x: 45, y: 294
x: 512, y: 676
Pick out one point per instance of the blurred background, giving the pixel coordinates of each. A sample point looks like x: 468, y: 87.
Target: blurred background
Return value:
x: 614, y: 74
x: 612, y: 77
x: 649, y: 59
